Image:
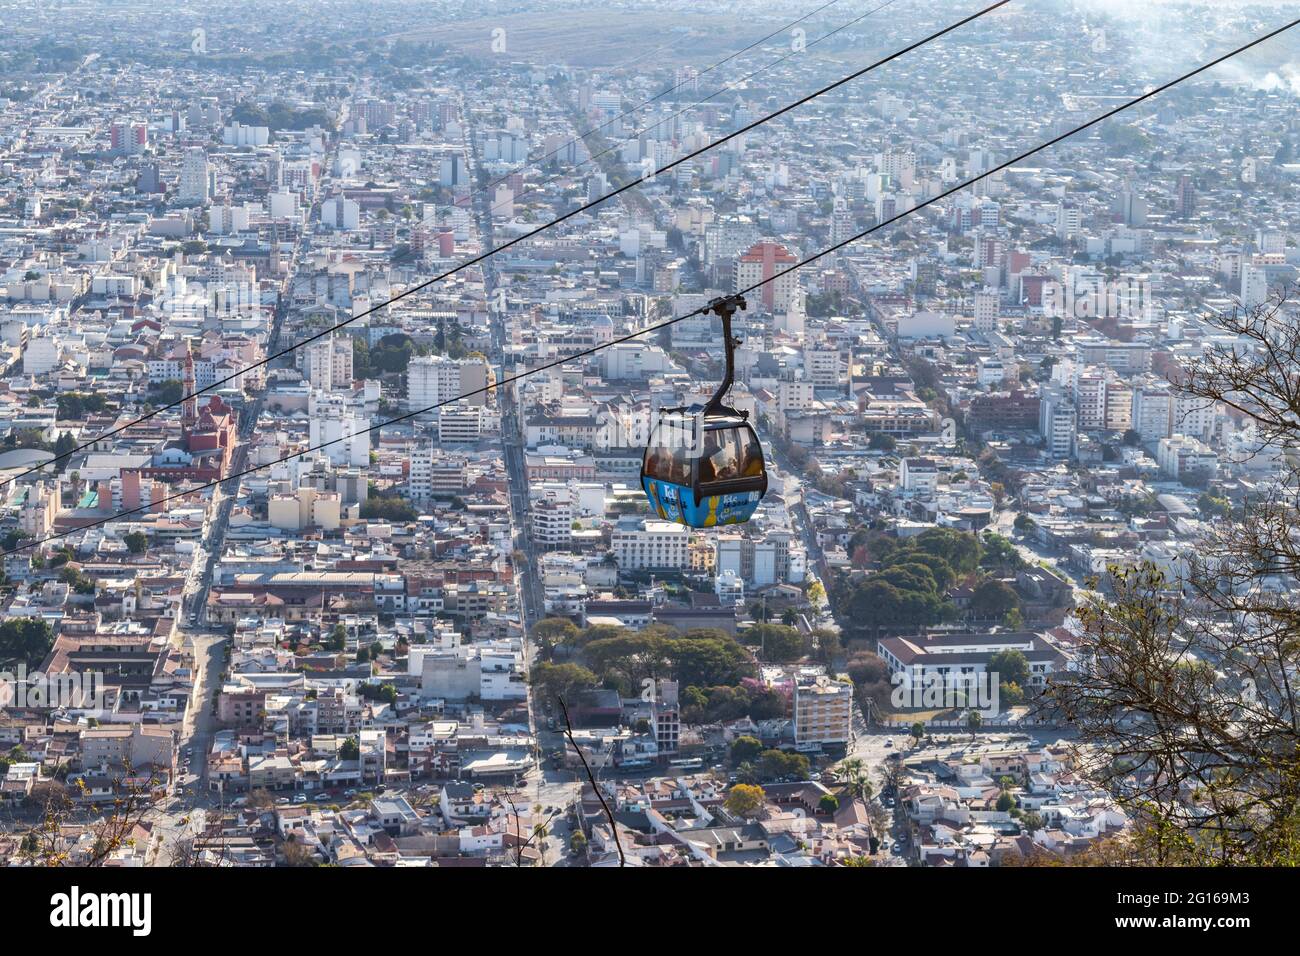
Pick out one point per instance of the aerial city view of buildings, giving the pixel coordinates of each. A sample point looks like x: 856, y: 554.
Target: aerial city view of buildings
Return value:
x: 320, y: 547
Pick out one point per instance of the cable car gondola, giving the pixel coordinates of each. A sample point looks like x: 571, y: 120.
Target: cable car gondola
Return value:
x: 704, y: 464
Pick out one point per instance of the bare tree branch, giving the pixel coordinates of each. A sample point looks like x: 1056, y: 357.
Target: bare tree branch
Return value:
x: 609, y: 814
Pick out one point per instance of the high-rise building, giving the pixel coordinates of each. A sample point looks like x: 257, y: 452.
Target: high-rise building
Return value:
x: 341, y: 426
x: 196, y: 177
x: 842, y: 222
x: 1057, y: 424
x: 435, y: 474
x: 327, y: 363
x: 432, y: 379
x: 1068, y: 221
x: 1254, y: 286
x: 823, y: 711
x: 761, y: 262
x: 1090, y: 398
x: 667, y: 718
x: 987, y: 307
x: 452, y: 171
x: 1152, y: 411
x: 823, y: 366
x: 1185, y: 201
x: 646, y: 544
x: 1130, y: 208
x: 341, y: 213
x: 150, y: 179
x: 128, y: 137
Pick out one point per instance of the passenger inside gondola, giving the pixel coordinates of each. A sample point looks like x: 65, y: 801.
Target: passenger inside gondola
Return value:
x: 752, y: 456
x: 719, y: 462
x: 680, y: 469
x: 668, y: 459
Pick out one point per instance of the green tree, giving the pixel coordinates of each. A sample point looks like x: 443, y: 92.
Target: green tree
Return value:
x: 828, y: 804
x: 63, y: 446
x: 992, y: 599
x: 169, y: 392
x: 11, y: 539
x: 1011, y: 666
x: 778, y: 642
x: 554, y: 630
x: 1000, y: 554
x: 745, y: 749
x: 338, y: 640
x: 389, y: 508
x: 137, y: 542
x: 26, y: 640
x: 875, y: 604
x: 960, y: 549
x: 561, y: 681
x: 852, y: 774
x: 775, y: 764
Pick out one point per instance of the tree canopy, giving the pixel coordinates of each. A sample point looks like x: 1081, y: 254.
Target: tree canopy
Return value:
x: 25, y: 640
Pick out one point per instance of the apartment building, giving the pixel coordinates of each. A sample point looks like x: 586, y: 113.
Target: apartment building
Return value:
x: 823, y: 711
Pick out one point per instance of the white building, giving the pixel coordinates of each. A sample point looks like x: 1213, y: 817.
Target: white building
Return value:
x: 552, y: 519
x: 1152, y: 410
x: 925, y: 325
x: 327, y: 363
x: 341, y: 213
x: 196, y: 184
x: 433, y: 379
x: 1057, y: 425
x: 463, y: 423
x: 641, y: 544
x: 918, y: 475
x: 334, y: 419
x: 988, y: 305
x: 730, y: 588
x: 435, y: 474
x: 1186, y: 458
x: 1254, y: 286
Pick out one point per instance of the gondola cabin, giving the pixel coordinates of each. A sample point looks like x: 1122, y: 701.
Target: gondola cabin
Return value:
x: 704, y: 465
x: 703, y: 471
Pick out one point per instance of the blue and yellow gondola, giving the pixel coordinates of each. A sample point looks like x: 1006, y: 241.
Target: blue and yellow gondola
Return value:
x: 704, y: 464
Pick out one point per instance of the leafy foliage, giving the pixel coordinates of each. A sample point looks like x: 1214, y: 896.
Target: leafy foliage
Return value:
x: 25, y: 639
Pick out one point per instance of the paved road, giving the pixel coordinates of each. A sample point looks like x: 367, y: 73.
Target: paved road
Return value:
x: 209, y: 646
